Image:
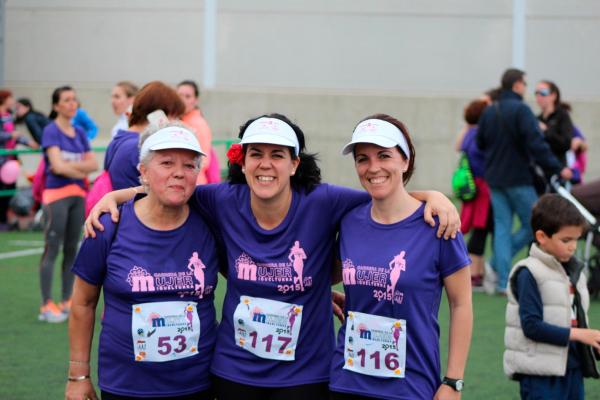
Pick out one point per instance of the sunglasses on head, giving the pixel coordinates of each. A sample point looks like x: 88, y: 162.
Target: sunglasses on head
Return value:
x: 543, y: 92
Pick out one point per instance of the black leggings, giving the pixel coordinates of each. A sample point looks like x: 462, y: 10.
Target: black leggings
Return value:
x: 478, y: 237
x: 229, y: 390
x: 64, y: 220
x: 204, y: 395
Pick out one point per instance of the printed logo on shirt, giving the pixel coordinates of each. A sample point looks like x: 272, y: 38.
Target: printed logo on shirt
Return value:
x: 290, y: 273
x: 387, y: 339
x: 190, y: 280
x: 384, y: 278
x: 70, y: 156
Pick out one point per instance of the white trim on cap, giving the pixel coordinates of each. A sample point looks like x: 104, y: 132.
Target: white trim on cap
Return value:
x: 271, y: 131
x: 379, y: 132
x: 172, y: 137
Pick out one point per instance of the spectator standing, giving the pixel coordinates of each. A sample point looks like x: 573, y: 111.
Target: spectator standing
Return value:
x: 476, y: 214
x: 549, y: 347
x: 189, y: 93
x: 121, y: 99
x: 554, y: 118
x: 510, y: 138
x: 68, y: 161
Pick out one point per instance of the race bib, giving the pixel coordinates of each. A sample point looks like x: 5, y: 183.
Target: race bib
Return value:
x: 164, y: 331
x: 267, y: 328
x: 375, y: 345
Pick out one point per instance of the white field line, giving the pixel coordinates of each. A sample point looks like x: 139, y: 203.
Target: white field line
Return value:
x: 21, y: 253
x: 26, y: 243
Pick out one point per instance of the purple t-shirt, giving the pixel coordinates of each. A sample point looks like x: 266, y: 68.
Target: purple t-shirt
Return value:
x: 122, y: 158
x: 259, y: 264
x: 71, y: 149
x: 475, y: 155
x: 143, y: 265
x: 369, y: 252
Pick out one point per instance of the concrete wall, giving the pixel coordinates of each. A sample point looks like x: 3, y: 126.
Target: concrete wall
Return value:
x: 326, y: 64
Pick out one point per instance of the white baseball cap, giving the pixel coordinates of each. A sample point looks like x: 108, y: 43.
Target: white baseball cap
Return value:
x: 379, y: 132
x: 172, y: 137
x: 272, y: 131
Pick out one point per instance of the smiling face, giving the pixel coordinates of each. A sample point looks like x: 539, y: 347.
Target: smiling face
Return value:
x: 268, y: 168
x: 562, y: 244
x: 379, y: 169
x: 67, y: 104
x: 170, y: 176
x: 188, y: 96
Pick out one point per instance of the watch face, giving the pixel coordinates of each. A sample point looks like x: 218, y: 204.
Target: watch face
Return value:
x: 459, y: 385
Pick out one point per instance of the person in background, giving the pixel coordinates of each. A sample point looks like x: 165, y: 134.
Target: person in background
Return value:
x: 160, y: 259
x: 554, y: 119
x: 548, y: 344
x: 122, y: 158
x: 121, y: 99
x: 83, y: 121
x: 476, y: 214
x: 189, y: 93
x: 394, y: 270
x: 68, y: 161
x: 9, y: 138
x: 510, y: 138
x: 34, y: 120
x: 577, y: 156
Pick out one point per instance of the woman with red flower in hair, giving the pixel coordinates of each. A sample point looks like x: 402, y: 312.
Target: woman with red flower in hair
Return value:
x: 273, y: 204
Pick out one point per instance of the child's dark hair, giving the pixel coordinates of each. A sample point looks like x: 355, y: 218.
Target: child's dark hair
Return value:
x: 308, y: 173
x: 552, y: 212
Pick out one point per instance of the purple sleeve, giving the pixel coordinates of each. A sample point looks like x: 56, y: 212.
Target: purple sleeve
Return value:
x: 50, y: 136
x: 342, y: 199
x: 204, y: 199
x: 90, y: 263
x: 453, y: 255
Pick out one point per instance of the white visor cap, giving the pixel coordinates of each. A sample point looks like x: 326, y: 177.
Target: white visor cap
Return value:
x: 172, y: 137
x: 379, y: 132
x: 271, y: 131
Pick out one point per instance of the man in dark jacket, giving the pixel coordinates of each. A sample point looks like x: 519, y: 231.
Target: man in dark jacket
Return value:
x: 509, y: 136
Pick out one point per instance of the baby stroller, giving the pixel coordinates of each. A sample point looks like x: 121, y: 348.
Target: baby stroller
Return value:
x: 586, y: 198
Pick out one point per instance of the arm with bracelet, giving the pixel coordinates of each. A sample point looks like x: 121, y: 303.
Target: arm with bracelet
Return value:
x: 81, y: 332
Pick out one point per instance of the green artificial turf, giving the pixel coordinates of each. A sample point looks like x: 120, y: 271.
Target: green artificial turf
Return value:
x: 34, y: 355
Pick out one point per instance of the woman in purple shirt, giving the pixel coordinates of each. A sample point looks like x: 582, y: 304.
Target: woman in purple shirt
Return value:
x: 394, y: 268
x: 278, y: 223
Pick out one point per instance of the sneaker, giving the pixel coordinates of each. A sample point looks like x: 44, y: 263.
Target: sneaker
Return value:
x: 50, y: 312
x: 477, y: 283
x: 489, y: 279
x: 65, y: 307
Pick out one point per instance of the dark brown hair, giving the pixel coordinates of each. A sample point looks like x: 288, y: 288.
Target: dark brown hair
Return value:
x: 155, y: 96
x: 474, y: 110
x: 554, y: 89
x: 552, y: 212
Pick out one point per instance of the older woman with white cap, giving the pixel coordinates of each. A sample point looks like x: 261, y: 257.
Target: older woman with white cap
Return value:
x: 394, y: 268
x: 278, y: 223
x: 158, y: 269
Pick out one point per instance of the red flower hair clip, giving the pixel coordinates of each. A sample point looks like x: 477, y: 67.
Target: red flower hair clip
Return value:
x: 235, y: 154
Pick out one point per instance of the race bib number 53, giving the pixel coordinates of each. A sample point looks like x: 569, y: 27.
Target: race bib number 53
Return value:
x: 164, y: 331
x: 267, y: 328
x: 375, y: 345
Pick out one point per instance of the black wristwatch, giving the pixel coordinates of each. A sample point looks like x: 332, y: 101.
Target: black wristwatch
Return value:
x: 456, y: 384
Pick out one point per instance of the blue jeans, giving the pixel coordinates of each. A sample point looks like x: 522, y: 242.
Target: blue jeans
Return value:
x: 505, y: 203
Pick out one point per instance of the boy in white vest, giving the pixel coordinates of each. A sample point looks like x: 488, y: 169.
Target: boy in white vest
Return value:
x: 549, y: 347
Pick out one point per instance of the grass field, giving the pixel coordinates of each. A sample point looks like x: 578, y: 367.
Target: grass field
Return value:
x: 34, y: 355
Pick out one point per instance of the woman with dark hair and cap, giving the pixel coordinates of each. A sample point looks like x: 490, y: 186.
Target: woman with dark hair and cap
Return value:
x: 278, y: 224
x: 394, y: 268
x: 157, y: 269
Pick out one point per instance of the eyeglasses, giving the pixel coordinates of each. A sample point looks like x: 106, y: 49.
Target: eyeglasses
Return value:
x: 543, y: 92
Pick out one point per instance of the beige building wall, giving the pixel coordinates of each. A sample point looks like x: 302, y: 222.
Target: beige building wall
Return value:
x: 326, y: 64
